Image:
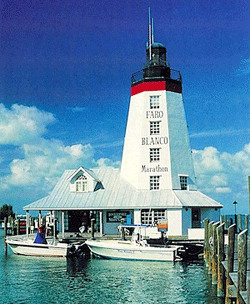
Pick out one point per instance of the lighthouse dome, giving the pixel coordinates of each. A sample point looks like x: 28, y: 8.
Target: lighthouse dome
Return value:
x: 157, y: 44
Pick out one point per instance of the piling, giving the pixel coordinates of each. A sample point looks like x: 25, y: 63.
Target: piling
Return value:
x: 230, y: 262
x: 210, y: 237
x: 5, y: 234
x: 230, y: 271
x: 242, y: 263
x: 221, y: 258
x: 239, y: 219
x: 206, y: 241
x: 246, y: 223
x: 214, y: 254
x: 248, y: 292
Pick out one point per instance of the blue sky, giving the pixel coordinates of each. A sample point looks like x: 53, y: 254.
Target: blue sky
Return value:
x: 65, y: 88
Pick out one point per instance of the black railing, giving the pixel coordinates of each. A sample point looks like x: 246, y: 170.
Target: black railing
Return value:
x: 139, y: 76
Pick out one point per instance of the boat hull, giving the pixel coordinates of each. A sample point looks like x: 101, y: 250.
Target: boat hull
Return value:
x: 130, y: 251
x: 28, y: 248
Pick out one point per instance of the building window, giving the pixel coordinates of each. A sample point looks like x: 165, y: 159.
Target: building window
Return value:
x: 154, y: 154
x: 159, y: 214
x: 149, y: 217
x: 183, y: 182
x: 154, y: 127
x: 154, y: 182
x: 154, y: 102
x: 146, y: 217
x: 81, y: 184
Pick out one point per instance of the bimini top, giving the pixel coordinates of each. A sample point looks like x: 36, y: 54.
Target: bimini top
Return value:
x: 109, y: 191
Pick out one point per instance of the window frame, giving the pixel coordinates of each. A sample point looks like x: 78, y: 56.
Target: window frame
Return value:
x: 154, y: 127
x: 154, y: 182
x: 151, y: 216
x: 183, y: 182
x: 154, y: 155
x: 154, y: 102
x: 81, y: 184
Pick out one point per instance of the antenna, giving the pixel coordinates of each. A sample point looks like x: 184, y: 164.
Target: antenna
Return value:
x: 152, y: 30
x: 149, y: 34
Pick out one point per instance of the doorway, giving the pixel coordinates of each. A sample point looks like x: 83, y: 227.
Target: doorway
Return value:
x: 196, y: 218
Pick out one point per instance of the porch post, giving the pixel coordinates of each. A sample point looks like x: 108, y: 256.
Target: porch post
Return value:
x: 40, y: 218
x: 27, y: 222
x: 101, y: 224
x: 63, y: 226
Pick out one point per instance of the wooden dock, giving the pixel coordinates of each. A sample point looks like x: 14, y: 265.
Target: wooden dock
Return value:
x: 227, y: 257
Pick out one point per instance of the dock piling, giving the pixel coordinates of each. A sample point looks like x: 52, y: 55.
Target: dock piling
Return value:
x: 221, y: 258
x: 242, y: 261
x: 5, y: 234
x: 210, y: 238
x: 248, y: 292
x: 214, y: 253
x: 230, y: 262
x: 206, y: 241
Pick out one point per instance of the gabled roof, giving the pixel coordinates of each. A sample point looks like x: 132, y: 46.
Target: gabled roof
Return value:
x: 117, y: 194
x: 89, y: 172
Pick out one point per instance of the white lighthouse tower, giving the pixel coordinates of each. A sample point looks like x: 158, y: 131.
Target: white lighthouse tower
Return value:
x: 156, y: 153
x: 157, y: 160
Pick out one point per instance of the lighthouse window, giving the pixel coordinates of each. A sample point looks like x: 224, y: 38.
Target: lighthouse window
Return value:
x: 154, y: 182
x: 183, y: 182
x: 154, y: 154
x: 154, y: 127
x: 154, y: 102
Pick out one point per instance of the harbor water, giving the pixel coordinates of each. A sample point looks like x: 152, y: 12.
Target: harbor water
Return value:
x: 35, y: 280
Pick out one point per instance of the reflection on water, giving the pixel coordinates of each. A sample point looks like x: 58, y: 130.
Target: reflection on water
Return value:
x: 76, y: 280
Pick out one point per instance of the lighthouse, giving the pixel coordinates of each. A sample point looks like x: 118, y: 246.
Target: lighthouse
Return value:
x: 156, y: 153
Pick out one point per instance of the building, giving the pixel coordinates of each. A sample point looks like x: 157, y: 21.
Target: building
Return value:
x: 156, y: 179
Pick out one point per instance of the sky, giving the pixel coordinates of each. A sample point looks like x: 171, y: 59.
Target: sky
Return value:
x: 65, y: 82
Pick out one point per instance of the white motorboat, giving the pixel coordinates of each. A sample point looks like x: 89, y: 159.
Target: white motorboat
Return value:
x: 24, y: 245
x: 135, y: 249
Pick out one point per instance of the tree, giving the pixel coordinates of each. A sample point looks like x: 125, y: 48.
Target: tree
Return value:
x: 5, y: 211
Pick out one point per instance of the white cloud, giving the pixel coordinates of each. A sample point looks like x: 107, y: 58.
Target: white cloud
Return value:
x: 44, y: 162
x: 223, y: 190
x: 223, y: 175
x: 21, y: 124
x: 117, y: 143
x: 222, y: 132
x: 219, y: 180
x: 207, y: 160
x: 106, y: 162
x: 77, y: 109
x: 40, y: 161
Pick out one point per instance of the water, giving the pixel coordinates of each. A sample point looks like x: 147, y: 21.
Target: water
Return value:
x: 34, y: 280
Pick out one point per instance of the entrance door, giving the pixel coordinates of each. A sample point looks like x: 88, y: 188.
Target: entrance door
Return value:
x: 78, y: 218
x: 196, y: 218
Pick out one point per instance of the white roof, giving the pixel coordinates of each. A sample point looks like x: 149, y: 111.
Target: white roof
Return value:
x: 117, y: 194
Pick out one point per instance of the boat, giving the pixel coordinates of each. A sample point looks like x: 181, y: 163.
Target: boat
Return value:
x: 24, y: 245
x: 135, y: 249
